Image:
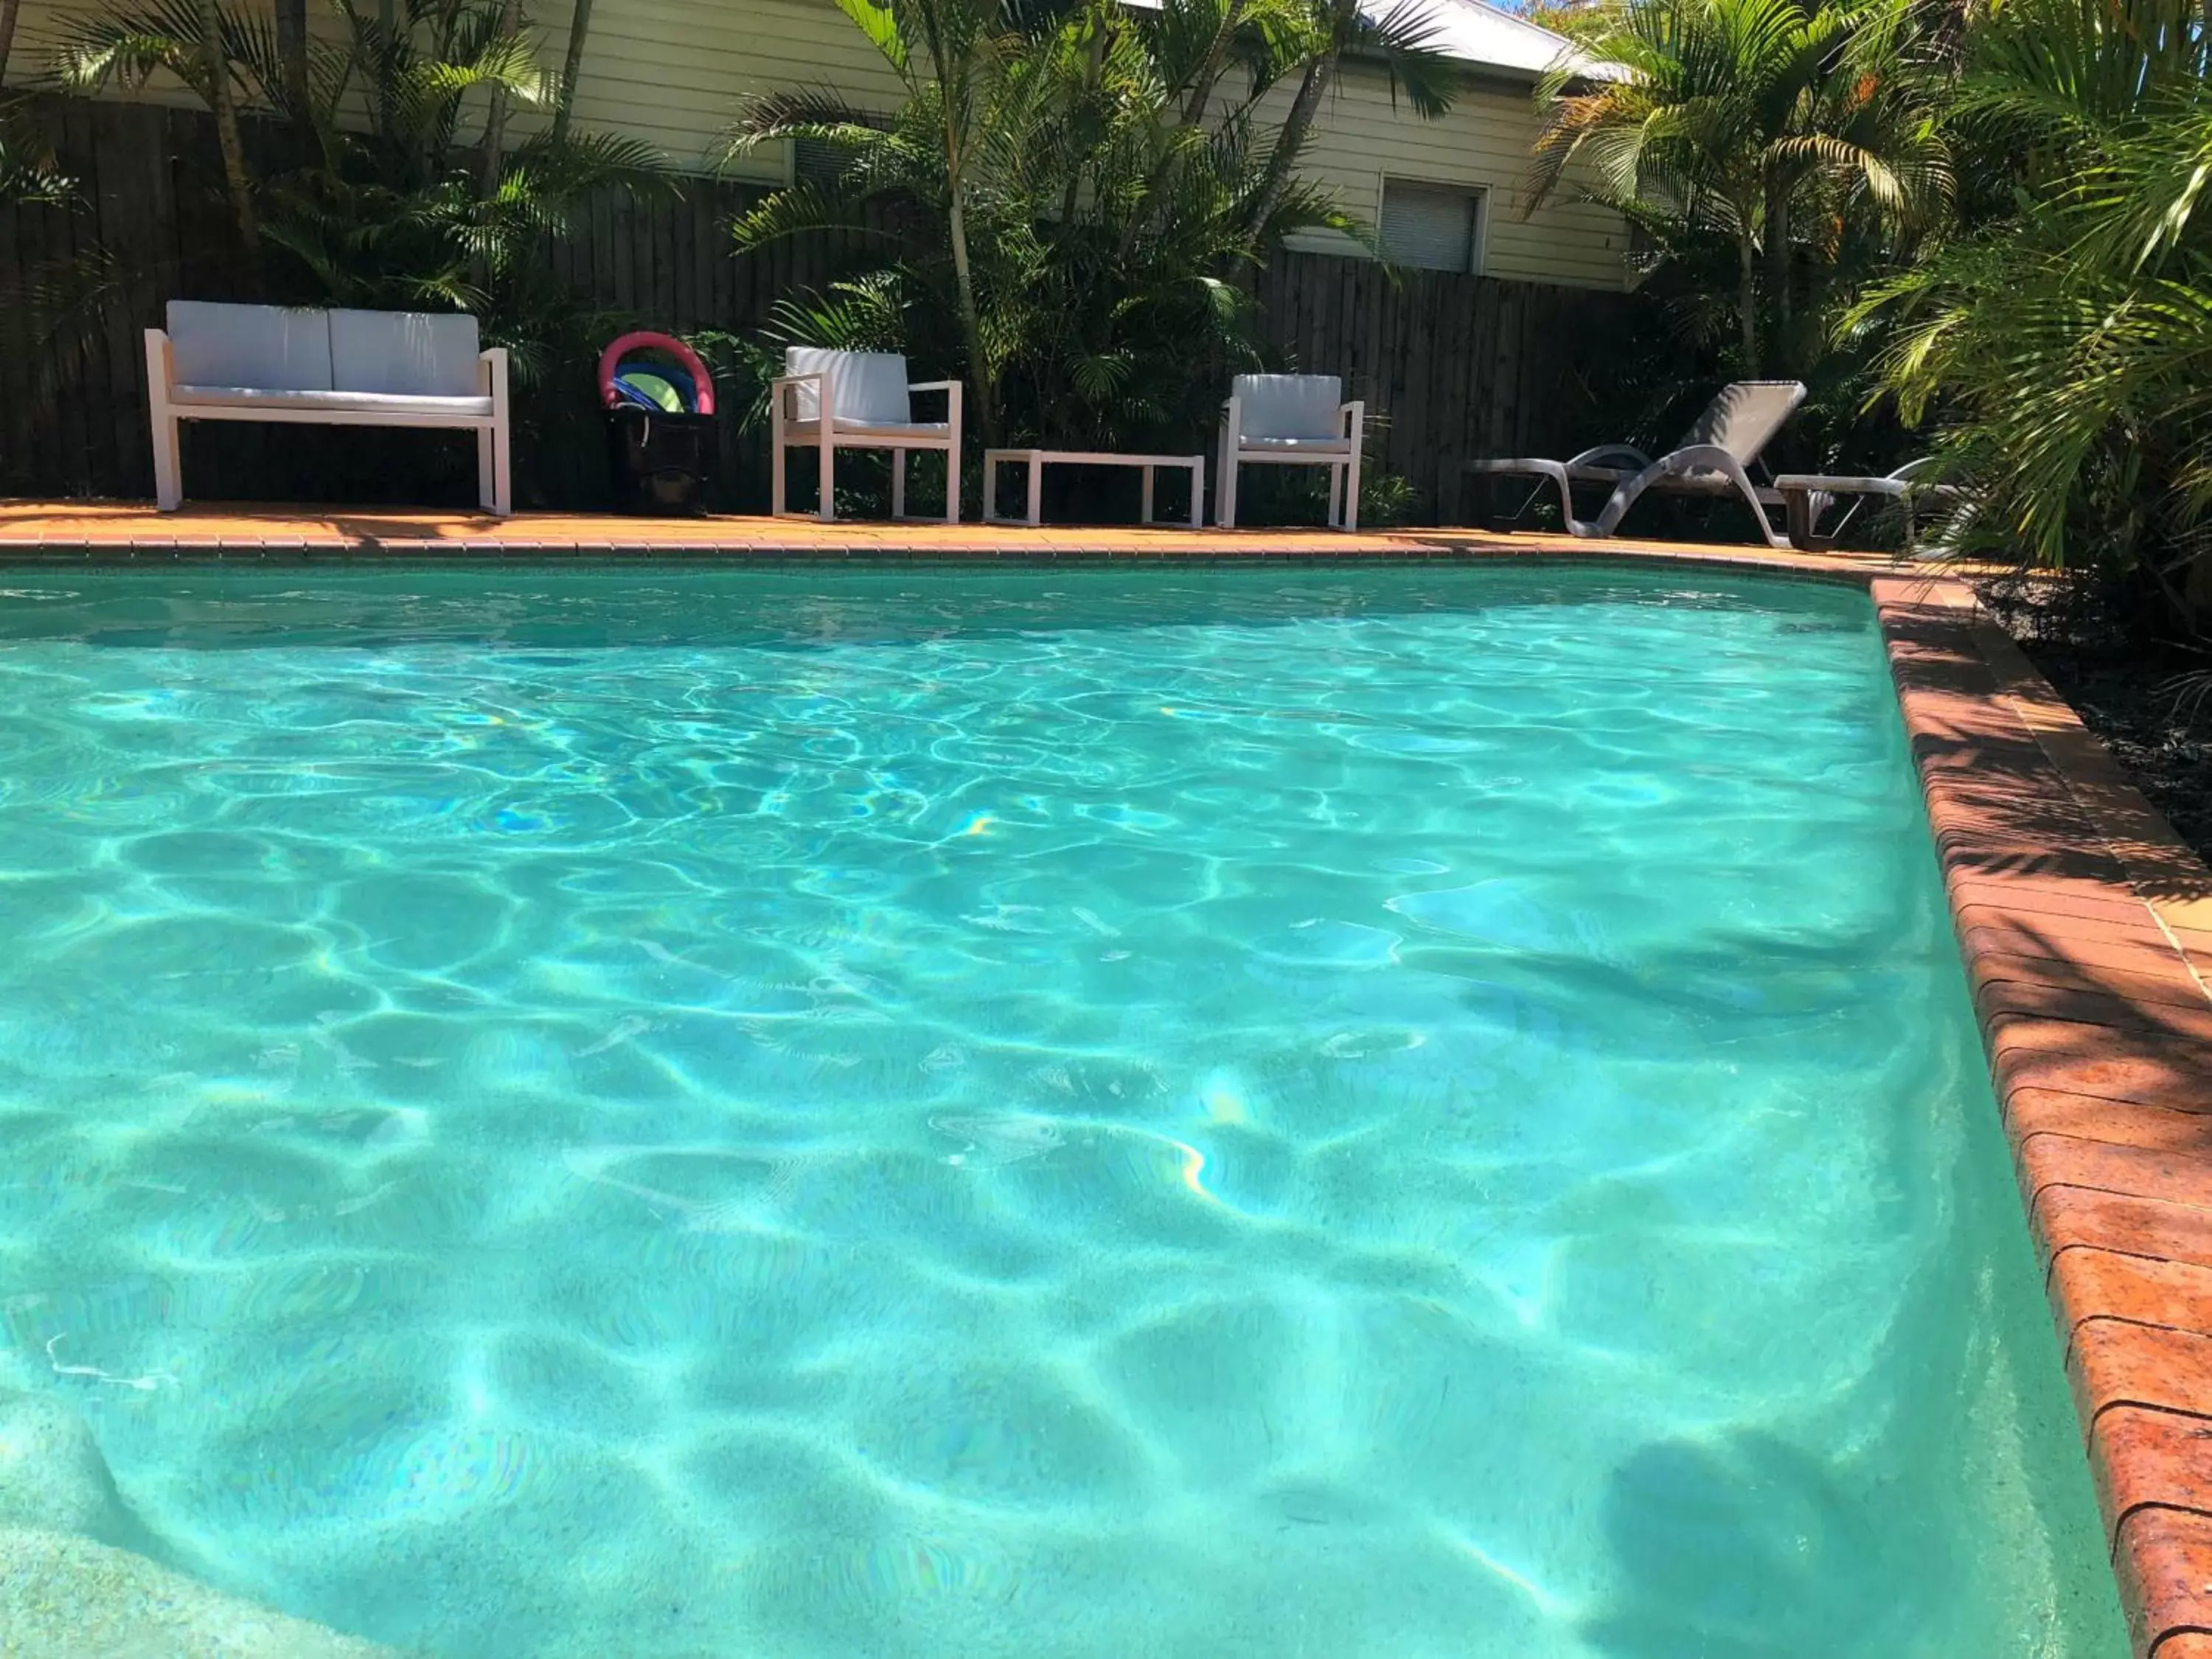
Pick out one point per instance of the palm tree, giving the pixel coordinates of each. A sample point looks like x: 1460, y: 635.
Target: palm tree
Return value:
x: 962, y: 106
x: 572, y: 66
x: 1767, y: 124
x: 10, y: 11
x: 494, y: 147
x: 1074, y: 190
x: 2064, y: 348
x: 400, y: 215
x: 292, y: 47
x: 1402, y: 40
x: 213, y: 51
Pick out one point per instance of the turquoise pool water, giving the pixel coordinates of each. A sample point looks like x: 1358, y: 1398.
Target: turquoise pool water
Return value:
x: 1256, y: 1111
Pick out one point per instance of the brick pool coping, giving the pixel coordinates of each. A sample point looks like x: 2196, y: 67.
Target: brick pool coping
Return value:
x: 2087, y: 929
x: 2084, y: 924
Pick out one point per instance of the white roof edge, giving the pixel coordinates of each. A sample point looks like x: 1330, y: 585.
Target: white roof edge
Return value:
x: 1489, y: 36
x: 1477, y: 34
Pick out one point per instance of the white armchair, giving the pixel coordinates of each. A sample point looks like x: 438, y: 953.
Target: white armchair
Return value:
x: 1292, y: 420
x: 871, y: 406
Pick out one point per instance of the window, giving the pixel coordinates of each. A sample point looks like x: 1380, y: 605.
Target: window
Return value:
x: 1431, y: 227
x: 815, y: 160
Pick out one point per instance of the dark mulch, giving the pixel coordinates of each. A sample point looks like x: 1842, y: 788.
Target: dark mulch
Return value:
x: 2152, y: 705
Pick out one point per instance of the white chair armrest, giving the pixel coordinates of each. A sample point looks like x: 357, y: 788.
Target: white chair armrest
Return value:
x: 161, y: 363
x: 949, y: 388
x: 780, y: 388
x: 1355, y: 417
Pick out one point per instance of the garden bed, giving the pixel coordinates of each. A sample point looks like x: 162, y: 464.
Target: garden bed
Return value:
x: 2160, y: 734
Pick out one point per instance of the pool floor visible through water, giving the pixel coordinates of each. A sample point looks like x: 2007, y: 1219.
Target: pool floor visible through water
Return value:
x: 1100, y: 1112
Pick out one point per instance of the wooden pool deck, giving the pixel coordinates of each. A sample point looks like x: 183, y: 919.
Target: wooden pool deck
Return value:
x: 2085, y: 924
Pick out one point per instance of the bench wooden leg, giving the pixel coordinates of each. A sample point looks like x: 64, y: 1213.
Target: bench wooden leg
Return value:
x: 826, y: 465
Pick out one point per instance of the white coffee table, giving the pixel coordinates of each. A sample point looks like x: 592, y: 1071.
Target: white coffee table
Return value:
x: 1038, y: 459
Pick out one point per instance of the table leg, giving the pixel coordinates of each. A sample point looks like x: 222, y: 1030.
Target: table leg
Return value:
x: 1146, y: 514
x: 1198, y: 492
x: 1036, y: 489
x: 898, y: 484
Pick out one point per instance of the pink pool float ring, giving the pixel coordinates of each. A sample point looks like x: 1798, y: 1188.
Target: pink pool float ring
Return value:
x: 685, y: 389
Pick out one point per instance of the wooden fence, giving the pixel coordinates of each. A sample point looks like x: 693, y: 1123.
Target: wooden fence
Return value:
x: 1451, y: 365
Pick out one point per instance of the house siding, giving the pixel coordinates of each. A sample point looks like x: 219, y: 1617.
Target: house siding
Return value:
x: 674, y: 72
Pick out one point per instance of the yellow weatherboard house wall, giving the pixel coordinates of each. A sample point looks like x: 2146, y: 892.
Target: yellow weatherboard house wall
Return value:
x: 674, y: 73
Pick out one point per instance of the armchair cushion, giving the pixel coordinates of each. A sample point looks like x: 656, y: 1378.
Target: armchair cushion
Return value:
x: 866, y: 388
x: 1298, y: 445
x: 1297, y: 407
x: 809, y: 431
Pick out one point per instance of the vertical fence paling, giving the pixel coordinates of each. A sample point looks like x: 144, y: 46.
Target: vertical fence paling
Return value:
x: 1451, y: 365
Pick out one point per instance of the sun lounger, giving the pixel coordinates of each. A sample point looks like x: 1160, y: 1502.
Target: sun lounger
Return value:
x: 1713, y: 458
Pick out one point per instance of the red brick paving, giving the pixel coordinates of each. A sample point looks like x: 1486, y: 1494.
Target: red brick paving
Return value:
x: 2086, y: 926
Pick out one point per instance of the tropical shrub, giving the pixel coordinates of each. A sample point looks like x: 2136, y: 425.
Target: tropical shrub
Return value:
x: 1067, y: 197
x: 2061, y: 350
x: 391, y: 184
x: 1772, y: 157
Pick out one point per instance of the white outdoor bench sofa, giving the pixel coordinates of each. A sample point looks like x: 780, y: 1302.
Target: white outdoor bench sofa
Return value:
x: 235, y: 362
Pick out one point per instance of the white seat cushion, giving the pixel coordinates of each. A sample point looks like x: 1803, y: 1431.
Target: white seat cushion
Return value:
x: 917, y: 431
x: 271, y: 346
x: 867, y: 389
x: 410, y: 354
x: 351, y: 403
x: 1297, y: 445
x: 1299, y: 406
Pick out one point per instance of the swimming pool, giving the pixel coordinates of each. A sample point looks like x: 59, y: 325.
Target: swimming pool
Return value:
x: 1404, y: 1111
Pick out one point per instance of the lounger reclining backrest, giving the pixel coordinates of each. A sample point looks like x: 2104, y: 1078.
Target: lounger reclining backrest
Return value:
x: 1744, y: 417
x: 1290, y: 405
x: 866, y: 388
x: 262, y: 347
x: 404, y: 354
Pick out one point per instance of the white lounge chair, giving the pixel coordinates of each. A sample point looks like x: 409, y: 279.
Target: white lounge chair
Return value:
x: 1292, y: 420
x: 233, y: 363
x: 871, y: 407
x: 1713, y: 458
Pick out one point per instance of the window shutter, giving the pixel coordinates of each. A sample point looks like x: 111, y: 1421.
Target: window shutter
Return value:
x: 1430, y: 226
x: 814, y: 162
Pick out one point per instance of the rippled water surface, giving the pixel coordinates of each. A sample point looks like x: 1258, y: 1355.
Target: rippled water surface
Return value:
x: 1184, y: 1112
